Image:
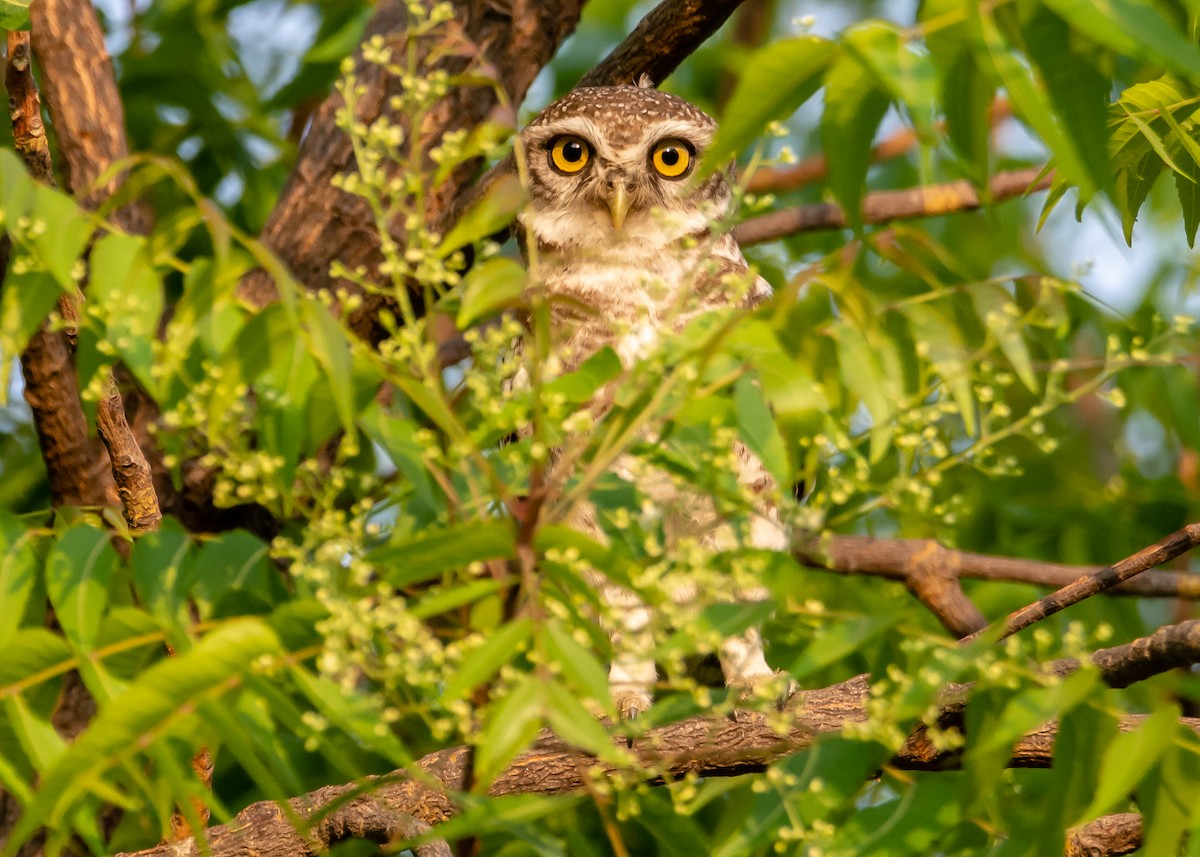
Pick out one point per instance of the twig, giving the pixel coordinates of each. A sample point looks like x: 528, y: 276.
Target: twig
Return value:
x: 937, y: 587
x: 814, y: 168
x: 887, y: 205
x: 1168, y: 648
x: 896, y: 558
x: 661, y: 41
x: 1172, y: 546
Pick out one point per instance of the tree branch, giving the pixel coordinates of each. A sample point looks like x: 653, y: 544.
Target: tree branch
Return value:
x: 74, y: 465
x: 782, y: 179
x: 708, y: 746
x: 1167, y: 549
x: 887, y: 205
x: 667, y: 36
x: 1108, y: 836
x: 313, y: 222
x: 86, y: 108
x: 1168, y: 648
x: 896, y: 559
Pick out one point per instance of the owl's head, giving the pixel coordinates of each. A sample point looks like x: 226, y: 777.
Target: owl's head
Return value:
x: 616, y: 163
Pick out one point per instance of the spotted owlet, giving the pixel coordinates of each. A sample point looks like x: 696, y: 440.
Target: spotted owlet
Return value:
x: 626, y: 251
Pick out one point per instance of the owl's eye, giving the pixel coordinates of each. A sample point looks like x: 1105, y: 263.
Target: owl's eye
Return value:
x: 569, y: 154
x: 672, y: 159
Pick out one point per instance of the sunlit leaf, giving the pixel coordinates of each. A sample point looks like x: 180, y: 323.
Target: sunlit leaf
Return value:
x: 490, y: 286
x: 483, y: 663
x: 855, y: 102
x: 78, y: 571
x: 510, y: 729
x: 429, y: 554
x: 490, y: 213
x: 775, y: 81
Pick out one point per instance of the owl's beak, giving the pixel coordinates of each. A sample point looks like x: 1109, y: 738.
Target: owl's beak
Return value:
x: 618, y: 205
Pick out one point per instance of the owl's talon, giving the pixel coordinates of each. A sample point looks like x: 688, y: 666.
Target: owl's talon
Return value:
x: 631, y: 703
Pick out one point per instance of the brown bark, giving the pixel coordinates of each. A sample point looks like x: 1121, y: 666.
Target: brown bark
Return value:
x: 1167, y: 549
x: 661, y: 41
x: 314, y: 222
x: 715, y: 745
x: 884, y: 206
x: 1108, y: 836
x: 89, y: 119
x: 85, y: 106
x: 74, y: 464
x: 896, y: 559
x: 1168, y: 648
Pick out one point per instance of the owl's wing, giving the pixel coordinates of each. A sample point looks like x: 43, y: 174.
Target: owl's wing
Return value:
x: 730, y: 260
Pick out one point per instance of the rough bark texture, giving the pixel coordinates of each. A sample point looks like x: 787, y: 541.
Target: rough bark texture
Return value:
x: 897, y: 559
x: 1165, y: 550
x: 885, y: 205
x: 89, y: 119
x: 1168, y: 648
x: 1110, y: 836
x: 663, y: 39
x: 85, y: 106
x: 709, y: 746
x: 314, y: 222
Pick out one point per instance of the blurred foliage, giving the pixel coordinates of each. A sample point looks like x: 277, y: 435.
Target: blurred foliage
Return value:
x: 948, y: 378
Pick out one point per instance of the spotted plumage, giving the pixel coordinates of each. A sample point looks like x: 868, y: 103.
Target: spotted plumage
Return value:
x: 621, y: 234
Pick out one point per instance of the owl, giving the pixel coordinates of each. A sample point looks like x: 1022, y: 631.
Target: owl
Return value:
x: 626, y: 251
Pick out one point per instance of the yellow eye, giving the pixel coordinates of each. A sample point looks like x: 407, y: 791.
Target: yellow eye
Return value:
x: 672, y: 158
x: 569, y: 154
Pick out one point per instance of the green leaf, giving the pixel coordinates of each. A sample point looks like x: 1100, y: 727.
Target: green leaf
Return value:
x: 1128, y: 759
x: 862, y: 373
x: 838, y: 640
x: 162, y: 696
x: 756, y: 428
x: 163, y: 572
x: 1030, y: 101
x: 19, y: 568
x: 439, y: 602
x: 1133, y: 28
x: 78, y: 571
x: 484, y: 662
x: 428, y: 554
x: 489, y: 214
x: 352, y: 713
x: 572, y: 722
x: 776, y: 80
x: 1077, y: 88
x: 995, y: 308
x: 30, y: 653
x: 14, y: 14
x: 491, y: 286
x: 231, y: 562
x: 27, y: 299
x: 129, y: 293
x: 855, y: 103
x: 67, y: 230
x: 579, y: 386
x: 579, y: 666
x: 906, y: 73
x: 332, y: 351
x: 36, y: 735
x: 940, y: 339
x: 512, y: 725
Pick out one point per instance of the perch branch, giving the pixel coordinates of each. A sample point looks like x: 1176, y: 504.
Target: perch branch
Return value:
x: 883, y: 206
x: 896, y: 559
x: 661, y: 41
x: 713, y: 745
x: 1167, y: 549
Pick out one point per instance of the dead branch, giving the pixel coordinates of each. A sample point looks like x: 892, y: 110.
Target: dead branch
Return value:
x: 1167, y: 549
x: 884, y: 206
x: 669, y: 34
x: 708, y: 746
x: 896, y: 559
